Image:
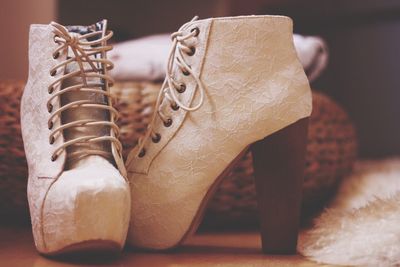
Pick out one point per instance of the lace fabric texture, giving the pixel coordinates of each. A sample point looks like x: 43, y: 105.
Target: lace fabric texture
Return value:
x: 86, y: 112
x: 253, y: 86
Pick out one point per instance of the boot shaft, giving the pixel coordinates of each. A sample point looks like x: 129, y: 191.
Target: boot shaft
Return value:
x: 252, y: 82
x: 252, y: 70
x: 47, y: 77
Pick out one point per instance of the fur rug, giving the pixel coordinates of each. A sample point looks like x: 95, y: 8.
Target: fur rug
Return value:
x: 362, y: 225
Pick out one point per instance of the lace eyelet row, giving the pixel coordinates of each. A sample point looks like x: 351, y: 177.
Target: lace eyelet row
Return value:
x: 197, y: 30
x: 50, y: 90
x: 49, y: 108
x: 156, y: 138
x: 192, y: 51
x: 142, y: 153
x: 56, y: 55
x: 168, y: 122
x: 185, y: 72
x: 174, y: 106
x: 180, y: 89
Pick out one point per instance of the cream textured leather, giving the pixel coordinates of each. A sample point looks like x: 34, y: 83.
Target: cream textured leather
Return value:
x: 253, y: 85
x: 77, y: 191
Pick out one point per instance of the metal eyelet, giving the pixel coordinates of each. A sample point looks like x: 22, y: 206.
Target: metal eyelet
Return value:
x: 54, y: 38
x: 185, y: 72
x: 49, y: 108
x: 54, y: 157
x: 56, y: 55
x: 174, y: 106
x: 168, y: 122
x: 156, y: 138
x: 50, y: 90
x: 52, y: 140
x: 182, y: 88
x: 53, y: 72
x: 197, y: 30
x: 192, y: 51
x: 50, y: 125
x: 142, y: 153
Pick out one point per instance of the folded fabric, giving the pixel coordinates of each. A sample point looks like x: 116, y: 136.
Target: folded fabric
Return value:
x: 144, y: 59
x: 313, y: 54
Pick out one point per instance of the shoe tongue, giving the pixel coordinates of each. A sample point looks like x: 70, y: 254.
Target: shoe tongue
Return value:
x: 81, y: 30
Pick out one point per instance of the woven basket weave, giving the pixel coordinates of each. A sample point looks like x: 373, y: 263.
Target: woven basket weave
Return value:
x: 331, y: 153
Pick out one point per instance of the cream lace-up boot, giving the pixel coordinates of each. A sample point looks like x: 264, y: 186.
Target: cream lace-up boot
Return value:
x: 79, y: 199
x: 230, y: 83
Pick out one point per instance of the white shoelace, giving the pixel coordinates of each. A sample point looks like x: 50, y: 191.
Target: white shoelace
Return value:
x: 84, y: 52
x: 171, y: 87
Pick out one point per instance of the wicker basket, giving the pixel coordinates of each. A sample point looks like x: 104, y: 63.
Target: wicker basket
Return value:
x: 330, y: 155
x: 13, y: 167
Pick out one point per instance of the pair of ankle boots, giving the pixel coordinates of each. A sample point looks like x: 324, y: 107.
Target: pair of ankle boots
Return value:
x: 232, y: 84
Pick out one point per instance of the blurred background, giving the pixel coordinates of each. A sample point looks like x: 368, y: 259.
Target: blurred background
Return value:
x: 362, y: 35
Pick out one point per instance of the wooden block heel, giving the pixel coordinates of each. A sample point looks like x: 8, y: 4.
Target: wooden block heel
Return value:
x: 279, y: 162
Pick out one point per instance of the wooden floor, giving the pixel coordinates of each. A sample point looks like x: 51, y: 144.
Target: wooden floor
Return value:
x: 211, y: 249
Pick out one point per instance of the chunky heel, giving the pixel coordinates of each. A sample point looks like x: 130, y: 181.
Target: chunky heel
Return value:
x: 279, y: 162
